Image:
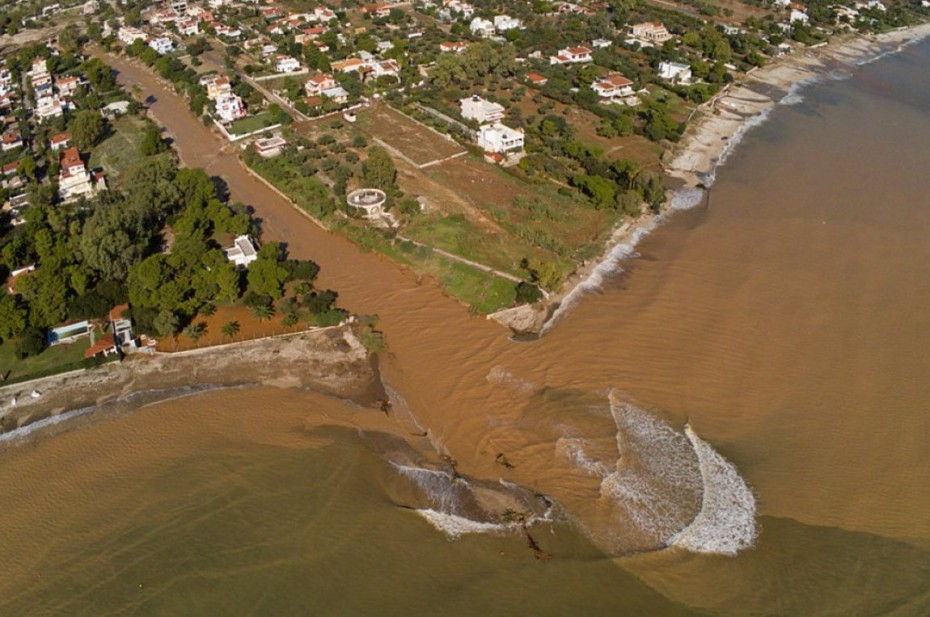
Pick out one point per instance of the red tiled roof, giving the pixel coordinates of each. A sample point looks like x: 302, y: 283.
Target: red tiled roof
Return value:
x: 106, y: 342
x: 117, y: 311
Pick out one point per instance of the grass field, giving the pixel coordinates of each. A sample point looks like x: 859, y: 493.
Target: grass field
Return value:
x: 250, y: 124
x: 119, y: 152
x: 61, y: 357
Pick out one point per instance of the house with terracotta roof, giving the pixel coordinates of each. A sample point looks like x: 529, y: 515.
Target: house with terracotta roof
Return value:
x: 377, y: 10
x: 103, y: 347
x: 649, y: 33
x: 67, y: 85
x: 11, y: 140
x: 453, y: 46
x: 536, y: 79
x: 60, y: 141
x: 73, y: 178
x: 613, y: 86
x: 318, y: 83
x: 572, y: 55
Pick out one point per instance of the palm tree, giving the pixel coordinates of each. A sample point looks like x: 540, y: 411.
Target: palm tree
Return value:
x: 196, y: 331
x: 208, y: 309
x: 230, y: 329
x: 263, y: 311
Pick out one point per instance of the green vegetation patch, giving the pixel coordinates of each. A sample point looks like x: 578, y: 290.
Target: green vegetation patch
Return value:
x: 56, y: 359
x: 251, y: 124
x: 120, y: 151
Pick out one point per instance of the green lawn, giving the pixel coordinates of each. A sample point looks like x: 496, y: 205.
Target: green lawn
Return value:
x: 119, y: 152
x: 54, y: 359
x: 250, y: 124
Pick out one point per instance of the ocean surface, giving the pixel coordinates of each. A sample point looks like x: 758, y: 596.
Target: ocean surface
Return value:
x: 733, y: 421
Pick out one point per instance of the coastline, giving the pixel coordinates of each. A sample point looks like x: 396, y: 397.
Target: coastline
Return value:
x: 714, y: 130
x: 331, y: 361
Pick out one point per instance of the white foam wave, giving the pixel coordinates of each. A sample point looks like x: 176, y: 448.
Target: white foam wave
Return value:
x: 726, y: 523
x: 609, y: 265
x: 500, y: 375
x: 44, y: 423
x: 455, y: 526
x: 657, y: 483
x: 442, y: 489
x: 574, y: 450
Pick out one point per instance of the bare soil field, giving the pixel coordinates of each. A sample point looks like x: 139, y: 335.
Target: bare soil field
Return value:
x: 415, y: 141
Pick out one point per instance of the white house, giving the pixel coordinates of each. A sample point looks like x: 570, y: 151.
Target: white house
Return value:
x: 675, y: 72
x: 73, y: 178
x: 286, y: 64
x: 476, y: 108
x: 455, y: 47
x: 613, y: 87
x: 572, y: 55
x: 10, y: 141
x: 650, y: 33
x: 459, y: 8
x: 482, y: 27
x: 385, y: 68
x: 504, y: 23
x: 318, y: 83
x: 60, y: 141
x: 188, y: 27
x: 242, y: 252
x: 163, y: 45
x: 228, y: 32
x: 49, y: 107
x: 67, y: 85
x: 499, y: 138
x: 129, y: 35
x: 270, y: 147
x: 230, y: 107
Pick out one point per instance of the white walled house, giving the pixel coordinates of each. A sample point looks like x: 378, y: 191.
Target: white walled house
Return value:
x: 503, y: 23
x: 129, y: 35
x: 242, y: 252
x: 230, y: 107
x: 286, y: 64
x: 675, y: 72
x: 613, y: 87
x: 163, y: 45
x: 476, y: 108
x: 482, y: 27
x: 650, y: 33
x: 499, y: 138
x: 572, y: 55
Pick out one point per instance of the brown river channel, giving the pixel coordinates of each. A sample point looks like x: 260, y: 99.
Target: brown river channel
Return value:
x: 761, y: 365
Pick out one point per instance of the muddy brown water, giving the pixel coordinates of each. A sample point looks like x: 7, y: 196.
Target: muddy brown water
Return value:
x: 786, y: 323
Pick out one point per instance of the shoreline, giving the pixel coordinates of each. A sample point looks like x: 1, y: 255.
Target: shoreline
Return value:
x: 330, y: 361
x: 715, y: 129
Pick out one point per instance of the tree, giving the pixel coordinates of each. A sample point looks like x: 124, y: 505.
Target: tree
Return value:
x: 267, y: 276
x: 263, y: 311
x: 27, y: 167
x: 230, y: 329
x: 152, y: 143
x: 196, y: 331
x: 12, y: 317
x: 31, y: 343
x: 228, y: 283
x: 166, y: 323
x: 379, y: 171
x: 527, y: 293
x: 86, y: 129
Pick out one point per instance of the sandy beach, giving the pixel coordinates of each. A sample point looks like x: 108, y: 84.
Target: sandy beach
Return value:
x: 331, y: 361
x: 714, y: 130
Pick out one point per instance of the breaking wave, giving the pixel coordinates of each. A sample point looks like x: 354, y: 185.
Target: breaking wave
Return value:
x: 669, y: 488
x: 573, y: 449
x: 443, y: 490
x: 455, y: 526
x: 726, y: 523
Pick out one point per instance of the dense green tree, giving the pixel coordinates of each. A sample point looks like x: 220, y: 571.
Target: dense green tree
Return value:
x: 13, y: 317
x: 378, y: 171
x: 86, y: 129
